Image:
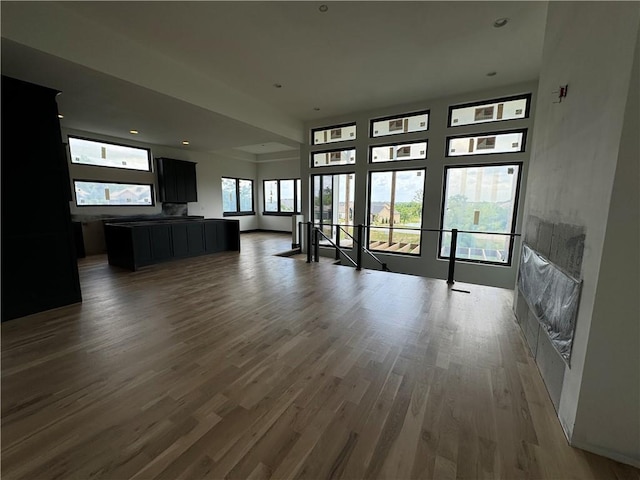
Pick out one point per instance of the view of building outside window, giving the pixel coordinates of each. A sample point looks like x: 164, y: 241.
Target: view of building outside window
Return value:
x: 483, y: 199
x: 396, y: 207
x: 334, y: 134
x: 399, y: 152
x: 101, y: 193
x: 486, y: 144
x: 337, y: 157
x: 91, y: 152
x: 508, y: 109
x: 417, y: 122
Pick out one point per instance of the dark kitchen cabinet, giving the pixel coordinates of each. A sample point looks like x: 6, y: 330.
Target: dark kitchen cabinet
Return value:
x: 176, y: 180
x: 195, y: 238
x: 180, y: 239
x: 161, y: 245
x: 39, y: 262
x: 137, y: 244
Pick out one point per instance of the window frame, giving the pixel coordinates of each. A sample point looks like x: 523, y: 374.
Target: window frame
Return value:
x: 514, y: 216
x: 331, y: 127
x: 527, y: 112
x: 368, y: 217
x: 322, y: 223
x: 148, y: 150
x: 296, y: 201
x: 401, y: 115
x: 79, y: 205
x: 386, y: 162
x: 523, y: 144
x: 240, y: 213
x: 332, y: 150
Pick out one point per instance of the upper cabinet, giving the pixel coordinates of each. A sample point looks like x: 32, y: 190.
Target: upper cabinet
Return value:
x: 176, y: 180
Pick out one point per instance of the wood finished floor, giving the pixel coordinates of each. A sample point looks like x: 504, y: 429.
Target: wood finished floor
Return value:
x: 256, y: 366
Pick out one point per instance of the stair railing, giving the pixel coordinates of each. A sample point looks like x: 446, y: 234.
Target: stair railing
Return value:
x: 314, y: 232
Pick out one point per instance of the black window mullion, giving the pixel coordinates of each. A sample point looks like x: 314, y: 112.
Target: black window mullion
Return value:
x: 239, y: 208
x: 278, y: 195
x: 333, y: 183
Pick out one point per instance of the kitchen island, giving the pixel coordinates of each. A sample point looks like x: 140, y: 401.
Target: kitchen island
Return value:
x: 136, y: 244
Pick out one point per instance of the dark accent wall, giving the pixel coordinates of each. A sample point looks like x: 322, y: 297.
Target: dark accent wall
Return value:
x: 39, y: 264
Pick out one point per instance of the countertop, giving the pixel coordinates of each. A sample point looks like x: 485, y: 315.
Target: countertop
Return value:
x: 162, y: 221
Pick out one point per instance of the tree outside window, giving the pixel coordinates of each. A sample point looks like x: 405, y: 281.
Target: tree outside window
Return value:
x: 482, y: 199
x: 237, y: 196
x: 395, y: 207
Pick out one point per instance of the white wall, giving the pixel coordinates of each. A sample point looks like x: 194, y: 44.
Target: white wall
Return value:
x: 608, y: 416
x: 274, y: 170
x: 428, y: 264
x: 210, y: 167
x: 589, y: 46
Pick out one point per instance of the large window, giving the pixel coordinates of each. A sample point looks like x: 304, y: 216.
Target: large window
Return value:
x: 337, y: 133
x: 333, y: 202
x: 407, y: 123
x: 395, y: 210
x: 282, y: 197
x: 496, y: 110
x: 237, y: 196
x: 482, y: 199
x: 103, y: 154
x: 89, y: 193
x: 487, y: 143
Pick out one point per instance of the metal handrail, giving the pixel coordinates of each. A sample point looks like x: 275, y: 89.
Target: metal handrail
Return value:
x: 365, y: 249
x: 441, y: 230
x: 336, y: 247
x: 358, y: 263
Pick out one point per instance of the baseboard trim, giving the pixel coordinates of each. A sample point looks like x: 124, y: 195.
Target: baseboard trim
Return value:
x: 618, y: 457
x: 262, y: 230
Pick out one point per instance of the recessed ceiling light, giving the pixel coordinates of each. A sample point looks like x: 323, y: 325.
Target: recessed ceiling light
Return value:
x: 60, y: 116
x: 134, y: 132
x: 500, y: 22
x: 185, y: 142
x: 491, y: 74
x: 317, y: 109
x: 323, y: 8
x: 277, y: 85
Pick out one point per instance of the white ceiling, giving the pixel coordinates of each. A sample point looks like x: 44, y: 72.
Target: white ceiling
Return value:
x: 205, y: 71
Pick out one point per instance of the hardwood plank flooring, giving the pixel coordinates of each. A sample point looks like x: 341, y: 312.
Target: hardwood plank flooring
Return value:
x: 252, y: 365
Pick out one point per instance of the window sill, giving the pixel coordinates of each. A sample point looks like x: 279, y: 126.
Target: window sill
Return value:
x: 281, y: 214
x: 237, y: 214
